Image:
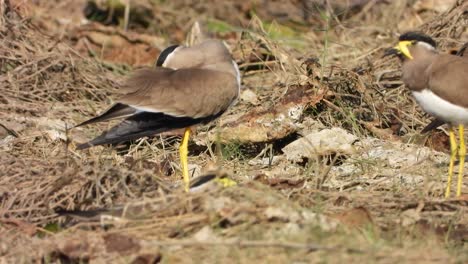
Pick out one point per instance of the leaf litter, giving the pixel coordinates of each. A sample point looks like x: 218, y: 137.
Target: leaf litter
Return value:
x: 380, y: 202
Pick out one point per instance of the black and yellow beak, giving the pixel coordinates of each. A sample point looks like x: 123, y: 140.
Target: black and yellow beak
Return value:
x: 400, y: 49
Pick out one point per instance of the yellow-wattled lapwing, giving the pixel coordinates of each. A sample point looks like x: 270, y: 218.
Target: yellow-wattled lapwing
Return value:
x: 189, y: 86
x: 439, y: 83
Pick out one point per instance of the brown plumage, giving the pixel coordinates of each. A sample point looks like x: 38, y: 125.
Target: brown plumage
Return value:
x: 196, y: 85
x: 438, y: 122
x: 439, y: 83
x: 189, y: 92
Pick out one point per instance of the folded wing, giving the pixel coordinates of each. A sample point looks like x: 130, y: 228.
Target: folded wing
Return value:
x: 162, y: 99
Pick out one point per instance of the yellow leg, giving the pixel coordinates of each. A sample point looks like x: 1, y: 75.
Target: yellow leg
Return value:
x: 453, y: 153
x: 461, y: 156
x: 183, y: 151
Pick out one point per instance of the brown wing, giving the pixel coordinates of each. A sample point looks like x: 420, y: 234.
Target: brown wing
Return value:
x: 437, y: 122
x: 190, y: 92
x: 449, y: 79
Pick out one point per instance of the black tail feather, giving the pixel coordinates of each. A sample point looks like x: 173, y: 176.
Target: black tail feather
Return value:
x: 115, y: 111
x: 141, y: 125
x: 433, y: 125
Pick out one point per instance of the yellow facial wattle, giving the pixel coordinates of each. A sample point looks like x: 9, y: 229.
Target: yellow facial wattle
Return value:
x: 403, y: 48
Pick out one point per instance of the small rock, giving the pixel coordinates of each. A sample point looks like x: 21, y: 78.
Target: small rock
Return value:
x: 291, y: 228
x: 249, y: 96
x: 325, y: 223
x: 399, y: 155
x: 205, y: 234
x: 325, y: 142
x: 194, y: 170
x: 410, y: 217
x: 295, y: 112
x: 281, y: 214
x: 439, y: 6
x: 218, y: 204
x: 53, y: 128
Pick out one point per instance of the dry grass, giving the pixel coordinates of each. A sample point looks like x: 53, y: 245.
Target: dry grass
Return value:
x: 360, y: 207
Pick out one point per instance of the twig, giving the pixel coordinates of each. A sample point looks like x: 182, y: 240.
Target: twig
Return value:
x: 324, y: 176
x: 127, y: 15
x: 250, y: 243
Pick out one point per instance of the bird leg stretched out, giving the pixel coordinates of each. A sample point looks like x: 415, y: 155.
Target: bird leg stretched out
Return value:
x: 461, y: 156
x: 453, y: 153
x: 183, y: 152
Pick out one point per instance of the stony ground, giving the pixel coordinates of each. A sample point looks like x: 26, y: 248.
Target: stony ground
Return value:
x: 324, y: 142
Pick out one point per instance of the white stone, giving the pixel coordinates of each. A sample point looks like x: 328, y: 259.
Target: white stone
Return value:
x: 324, y: 142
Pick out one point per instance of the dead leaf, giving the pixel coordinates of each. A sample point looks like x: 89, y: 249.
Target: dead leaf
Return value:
x: 281, y: 214
x: 121, y: 244
x: 264, y: 124
x: 281, y: 182
x: 149, y: 258
x: 439, y: 6
x: 118, y: 46
x: 382, y: 133
x: 341, y: 201
x: 80, y: 249
x: 411, y: 216
x: 205, y: 234
x: 358, y: 217
x: 24, y: 227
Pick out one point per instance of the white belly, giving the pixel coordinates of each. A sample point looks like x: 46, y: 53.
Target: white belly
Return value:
x: 440, y: 108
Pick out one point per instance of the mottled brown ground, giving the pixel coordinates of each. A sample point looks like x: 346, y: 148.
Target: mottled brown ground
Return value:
x: 305, y: 68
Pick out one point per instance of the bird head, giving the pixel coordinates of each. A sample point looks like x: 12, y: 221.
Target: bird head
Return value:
x: 164, y: 55
x: 408, y: 40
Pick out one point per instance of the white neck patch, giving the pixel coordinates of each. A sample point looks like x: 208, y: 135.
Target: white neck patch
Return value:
x: 168, y: 58
x: 425, y: 45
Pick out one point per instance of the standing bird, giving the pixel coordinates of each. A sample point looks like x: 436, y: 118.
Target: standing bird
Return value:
x: 189, y: 86
x: 439, y: 83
